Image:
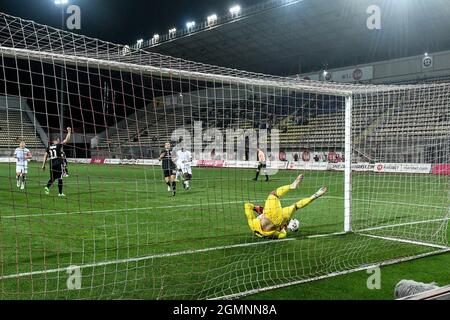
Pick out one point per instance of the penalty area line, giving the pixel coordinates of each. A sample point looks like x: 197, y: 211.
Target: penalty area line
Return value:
x: 106, y: 211
x: 38, y: 215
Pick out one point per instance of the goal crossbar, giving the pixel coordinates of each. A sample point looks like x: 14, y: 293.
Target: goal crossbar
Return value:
x: 81, y: 61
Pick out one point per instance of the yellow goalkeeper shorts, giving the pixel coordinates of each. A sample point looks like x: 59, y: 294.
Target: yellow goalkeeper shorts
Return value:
x: 277, y: 214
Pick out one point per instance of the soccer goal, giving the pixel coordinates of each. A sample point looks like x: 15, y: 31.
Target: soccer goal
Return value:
x: 122, y: 229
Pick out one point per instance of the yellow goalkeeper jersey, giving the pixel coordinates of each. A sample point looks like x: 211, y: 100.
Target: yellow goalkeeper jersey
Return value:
x: 255, y: 225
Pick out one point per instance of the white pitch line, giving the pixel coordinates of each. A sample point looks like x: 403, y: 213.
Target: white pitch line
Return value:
x: 393, y: 202
x: 39, y: 215
x: 293, y: 199
x: 418, y: 243
x: 403, y: 224
x: 326, y: 235
x: 138, y: 259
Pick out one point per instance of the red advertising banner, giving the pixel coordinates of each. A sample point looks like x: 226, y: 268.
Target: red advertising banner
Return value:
x: 441, y: 169
x: 332, y: 157
x: 98, y: 161
x: 211, y: 163
x: 306, y: 156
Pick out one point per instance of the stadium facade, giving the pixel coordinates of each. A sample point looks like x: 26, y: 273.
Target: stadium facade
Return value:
x: 298, y: 37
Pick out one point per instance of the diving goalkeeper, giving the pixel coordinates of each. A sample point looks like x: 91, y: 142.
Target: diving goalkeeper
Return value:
x: 272, y: 219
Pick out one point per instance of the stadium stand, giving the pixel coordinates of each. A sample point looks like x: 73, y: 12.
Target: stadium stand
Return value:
x: 15, y: 125
x: 319, y: 126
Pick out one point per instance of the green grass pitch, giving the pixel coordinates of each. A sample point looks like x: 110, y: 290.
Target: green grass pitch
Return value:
x: 133, y: 240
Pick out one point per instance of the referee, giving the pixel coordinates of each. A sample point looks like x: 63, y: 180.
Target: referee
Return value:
x: 261, y: 165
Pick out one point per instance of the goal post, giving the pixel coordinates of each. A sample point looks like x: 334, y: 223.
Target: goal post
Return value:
x: 348, y: 165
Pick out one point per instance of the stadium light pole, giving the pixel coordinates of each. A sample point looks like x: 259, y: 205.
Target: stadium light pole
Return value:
x: 172, y: 33
x: 212, y: 19
x: 190, y: 25
x: 155, y: 38
x: 235, y: 10
x: 62, y: 4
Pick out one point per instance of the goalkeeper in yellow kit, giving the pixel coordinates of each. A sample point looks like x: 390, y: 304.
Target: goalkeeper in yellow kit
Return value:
x: 272, y: 219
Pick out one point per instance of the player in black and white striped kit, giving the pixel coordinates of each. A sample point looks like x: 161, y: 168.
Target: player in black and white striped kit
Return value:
x: 55, y: 153
x: 169, y: 168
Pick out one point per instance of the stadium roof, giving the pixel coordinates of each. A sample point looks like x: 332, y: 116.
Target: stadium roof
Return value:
x: 25, y: 39
x: 311, y: 35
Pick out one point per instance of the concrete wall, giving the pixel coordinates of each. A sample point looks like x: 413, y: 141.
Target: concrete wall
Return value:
x: 399, y: 70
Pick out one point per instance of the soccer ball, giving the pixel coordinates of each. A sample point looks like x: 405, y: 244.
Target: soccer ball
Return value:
x: 293, y: 225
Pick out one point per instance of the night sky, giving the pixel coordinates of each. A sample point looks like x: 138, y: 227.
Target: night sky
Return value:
x: 123, y: 21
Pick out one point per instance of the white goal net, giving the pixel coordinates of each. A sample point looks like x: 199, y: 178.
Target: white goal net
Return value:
x: 383, y: 152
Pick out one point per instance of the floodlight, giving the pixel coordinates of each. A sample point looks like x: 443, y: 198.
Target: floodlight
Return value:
x: 212, y: 19
x: 235, y: 10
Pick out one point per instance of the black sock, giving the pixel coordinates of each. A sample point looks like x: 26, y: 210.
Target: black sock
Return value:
x: 174, y: 186
x: 257, y: 175
x: 60, y: 186
x: 169, y: 184
x: 49, y: 184
x: 267, y: 177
